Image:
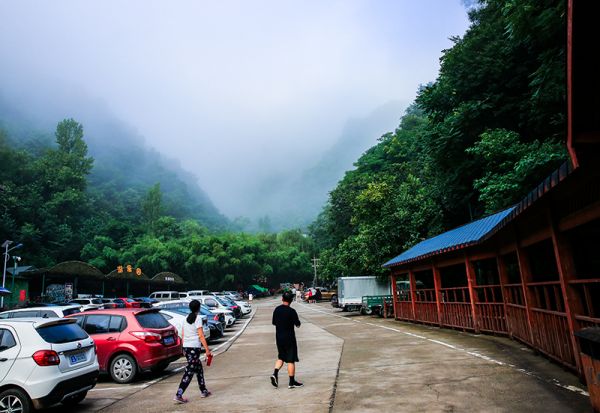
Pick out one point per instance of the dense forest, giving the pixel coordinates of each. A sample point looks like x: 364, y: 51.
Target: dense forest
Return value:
x: 475, y: 141
x: 62, y: 206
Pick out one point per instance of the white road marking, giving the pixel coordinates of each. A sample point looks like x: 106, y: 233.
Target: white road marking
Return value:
x: 471, y: 353
x: 180, y: 368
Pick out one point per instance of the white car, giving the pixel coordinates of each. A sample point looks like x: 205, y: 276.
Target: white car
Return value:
x: 245, y: 306
x: 88, y: 304
x: 217, y: 308
x: 229, y: 318
x: 176, y: 319
x: 58, y: 311
x: 44, y: 362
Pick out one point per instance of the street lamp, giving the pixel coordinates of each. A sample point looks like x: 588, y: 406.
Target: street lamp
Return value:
x: 5, y: 245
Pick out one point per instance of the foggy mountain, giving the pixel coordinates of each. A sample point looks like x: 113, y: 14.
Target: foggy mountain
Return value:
x: 124, y: 166
x: 296, y: 202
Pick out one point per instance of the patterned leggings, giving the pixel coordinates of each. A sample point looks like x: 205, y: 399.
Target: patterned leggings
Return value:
x: 194, y: 366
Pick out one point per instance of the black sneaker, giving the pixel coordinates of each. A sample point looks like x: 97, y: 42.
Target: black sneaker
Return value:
x: 295, y: 384
x: 274, y: 381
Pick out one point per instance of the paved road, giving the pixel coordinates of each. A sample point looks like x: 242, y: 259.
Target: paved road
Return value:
x: 362, y: 364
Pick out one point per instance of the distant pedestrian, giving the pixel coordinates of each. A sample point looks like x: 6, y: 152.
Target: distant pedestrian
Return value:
x: 298, y: 295
x: 284, y: 320
x: 193, y: 339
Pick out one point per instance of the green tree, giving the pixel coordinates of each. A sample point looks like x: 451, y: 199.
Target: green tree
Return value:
x: 152, y: 207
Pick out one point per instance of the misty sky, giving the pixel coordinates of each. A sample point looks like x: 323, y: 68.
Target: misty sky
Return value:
x: 237, y: 91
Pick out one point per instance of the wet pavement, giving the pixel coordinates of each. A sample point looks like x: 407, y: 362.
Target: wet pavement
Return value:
x: 356, y: 363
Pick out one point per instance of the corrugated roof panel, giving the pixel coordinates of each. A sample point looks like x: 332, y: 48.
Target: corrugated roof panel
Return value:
x: 456, y: 238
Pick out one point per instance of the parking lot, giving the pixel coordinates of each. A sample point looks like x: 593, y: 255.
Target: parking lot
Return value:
x: 350, y: 362
x: 108, y: 393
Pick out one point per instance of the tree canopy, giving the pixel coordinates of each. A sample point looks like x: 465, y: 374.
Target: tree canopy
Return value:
x: 476, y: 140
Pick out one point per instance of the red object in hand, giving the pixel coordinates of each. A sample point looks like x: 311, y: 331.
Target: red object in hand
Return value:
x: 209, y: 359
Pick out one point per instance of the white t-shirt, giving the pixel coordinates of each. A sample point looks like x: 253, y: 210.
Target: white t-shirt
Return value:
x: 190, y: 333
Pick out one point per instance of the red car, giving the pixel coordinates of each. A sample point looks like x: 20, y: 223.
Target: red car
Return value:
x: 131, y: 340
x: 124, y: 302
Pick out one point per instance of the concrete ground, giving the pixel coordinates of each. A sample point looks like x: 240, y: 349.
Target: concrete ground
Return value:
x: 359, y: 363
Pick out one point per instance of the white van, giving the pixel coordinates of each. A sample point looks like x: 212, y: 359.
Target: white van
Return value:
x: 165, y: 295
x: 198, y: 293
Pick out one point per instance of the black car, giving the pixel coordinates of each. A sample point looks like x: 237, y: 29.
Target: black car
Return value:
x: 146, y: 302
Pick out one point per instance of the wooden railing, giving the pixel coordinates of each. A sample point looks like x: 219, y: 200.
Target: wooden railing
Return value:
x: 456, y: 308
x: 426, y: 306
x: 490, y: 309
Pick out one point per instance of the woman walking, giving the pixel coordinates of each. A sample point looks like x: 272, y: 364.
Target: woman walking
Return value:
x: 193, y: 338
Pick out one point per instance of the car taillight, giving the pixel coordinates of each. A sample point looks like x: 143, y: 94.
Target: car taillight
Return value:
x: 216, y: 318
x: 235, y: 307
x: 146, y: 336
x: 46, y: 358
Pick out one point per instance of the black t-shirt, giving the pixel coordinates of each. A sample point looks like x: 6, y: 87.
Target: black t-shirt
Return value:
x: 284, y: 320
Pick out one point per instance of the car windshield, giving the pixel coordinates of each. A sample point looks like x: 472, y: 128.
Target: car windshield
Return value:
x: 221, y: 300
x: 96, y: 301
x: 62, y: 333
x: 130, y: 300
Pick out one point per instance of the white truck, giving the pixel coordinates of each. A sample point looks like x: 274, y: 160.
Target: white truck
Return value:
x: 351, y: 290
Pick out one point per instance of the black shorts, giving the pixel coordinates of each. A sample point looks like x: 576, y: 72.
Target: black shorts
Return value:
x: 287, y: 350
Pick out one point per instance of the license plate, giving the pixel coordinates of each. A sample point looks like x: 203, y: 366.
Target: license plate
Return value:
x: 169, y: 340
x: 77, y: 358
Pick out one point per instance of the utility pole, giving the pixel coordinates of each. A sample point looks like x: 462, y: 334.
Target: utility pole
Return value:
x: 315, y: 264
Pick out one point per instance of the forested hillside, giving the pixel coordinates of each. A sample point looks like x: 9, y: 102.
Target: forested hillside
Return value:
x: 476, y: 140
x: 64, y: 204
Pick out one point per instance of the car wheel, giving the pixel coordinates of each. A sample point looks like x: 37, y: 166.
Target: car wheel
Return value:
x: 14, y: 400
x: 72, y: 401
x: 123, y: 368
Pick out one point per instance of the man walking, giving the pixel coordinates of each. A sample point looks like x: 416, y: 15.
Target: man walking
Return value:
x: 284, y: 320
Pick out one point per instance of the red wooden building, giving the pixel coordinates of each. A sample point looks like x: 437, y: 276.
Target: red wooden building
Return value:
x: 532, y: 271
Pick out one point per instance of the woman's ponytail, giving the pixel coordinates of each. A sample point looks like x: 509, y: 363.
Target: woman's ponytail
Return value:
x: 194, y: 308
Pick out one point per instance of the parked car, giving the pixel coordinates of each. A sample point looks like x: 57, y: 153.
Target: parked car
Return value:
x: 109, y: 303
x: 176, y: 319
x: 244, y: 305
x: 183, y: 306
x: 44, y: 362
x: 146, y: 302
x: 234, y: 295
x: 215, y: 306
x: 88, y: 303
x: 194, y: 293
x: 128, y: 302
x: 131, y: 340
x: 165, y: 295
x: 55, y: 311
x: 231, y: 305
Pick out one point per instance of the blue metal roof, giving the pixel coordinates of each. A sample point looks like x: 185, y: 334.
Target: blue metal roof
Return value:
x: 456, y: 238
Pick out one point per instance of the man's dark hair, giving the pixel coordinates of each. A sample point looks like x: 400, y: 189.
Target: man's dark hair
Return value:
x: 288, y: 297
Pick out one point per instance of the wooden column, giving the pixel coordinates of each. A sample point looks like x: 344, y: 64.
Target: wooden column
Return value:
x: 503, y: 277
x: 566, y: 272
x: 471, y: 282
x: 437, y: 282
x: 525, y: 279
x: 394, y: 292
x: 413, y: 293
